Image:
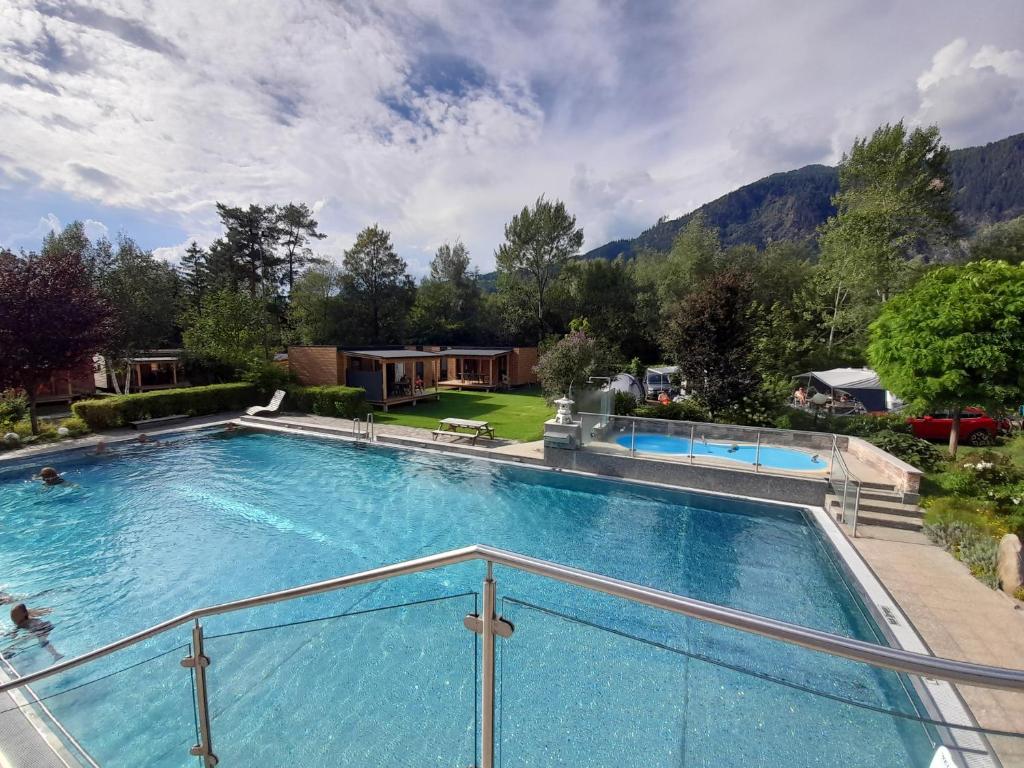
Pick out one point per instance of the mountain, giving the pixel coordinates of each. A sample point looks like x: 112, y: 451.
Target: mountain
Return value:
x: 988, y: 186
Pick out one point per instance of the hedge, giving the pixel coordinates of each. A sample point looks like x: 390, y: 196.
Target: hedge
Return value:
x: 120, y: 410
x: 347, y: 402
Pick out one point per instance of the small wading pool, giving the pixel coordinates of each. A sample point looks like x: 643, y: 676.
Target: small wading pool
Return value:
x: 744, y: 453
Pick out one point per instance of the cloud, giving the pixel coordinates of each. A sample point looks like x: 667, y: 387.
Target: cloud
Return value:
x: 973, y: 95
x: 440, y: 119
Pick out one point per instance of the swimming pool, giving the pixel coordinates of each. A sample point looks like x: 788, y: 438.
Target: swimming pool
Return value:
x: 745, y: 453
x: 390, y: 677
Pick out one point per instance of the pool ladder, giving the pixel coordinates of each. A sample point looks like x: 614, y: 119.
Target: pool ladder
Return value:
x: 357, y: 428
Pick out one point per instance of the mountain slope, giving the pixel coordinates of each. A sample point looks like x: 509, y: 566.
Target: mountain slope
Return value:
x: 988, y: 186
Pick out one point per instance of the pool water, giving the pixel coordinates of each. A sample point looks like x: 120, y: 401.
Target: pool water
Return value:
x: 388, y: 676
x: 745, y: 453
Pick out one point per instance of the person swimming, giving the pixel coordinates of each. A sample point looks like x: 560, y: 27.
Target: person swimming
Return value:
x: 101, y: 448
x: 50, y: 476
x: 144, y: 439
x: 28, y: 620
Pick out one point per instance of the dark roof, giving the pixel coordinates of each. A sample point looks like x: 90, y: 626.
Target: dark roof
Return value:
x: 389, y: 354
x: 471, y: 352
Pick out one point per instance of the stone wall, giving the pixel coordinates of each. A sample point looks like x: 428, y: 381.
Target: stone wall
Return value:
x: 904, y: 477
x: 795, y: 490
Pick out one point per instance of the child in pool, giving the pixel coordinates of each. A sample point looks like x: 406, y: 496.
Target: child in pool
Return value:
x: 27, y: 620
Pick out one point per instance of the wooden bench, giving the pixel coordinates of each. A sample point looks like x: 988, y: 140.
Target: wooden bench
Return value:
x: 158, y: 420
x: 475, y: 429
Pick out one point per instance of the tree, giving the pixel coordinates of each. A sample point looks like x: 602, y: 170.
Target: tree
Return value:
x: 696, y: 255
x: 298, y: 229
x: 143, y: 295
x: 605, y: 293
x: 229, y: 328
x: 710, y: 336
x: 377, y: 284
x: 956, y: 338
x: 315, y: 303
x: 539, y: 242
x: 195, y: 274
x: 51, y: 319
x: 1003, y: 241
x: 572, y: 360
x: 894, y: 204
x: 249, y: 246
x: 448, y: 302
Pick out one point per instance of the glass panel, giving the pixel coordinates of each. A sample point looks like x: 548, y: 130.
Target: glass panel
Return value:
x: 129, y: 709
x: 575, y: 693
x: 390, y: 685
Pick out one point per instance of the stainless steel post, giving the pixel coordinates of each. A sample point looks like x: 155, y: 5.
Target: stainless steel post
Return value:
x: 757, y: 452
x: 487, y: 687
x: 692, y: 435
x: 632, y: 440
x: 198, y: 662
x: 856, y: 509
x: 846, y: 488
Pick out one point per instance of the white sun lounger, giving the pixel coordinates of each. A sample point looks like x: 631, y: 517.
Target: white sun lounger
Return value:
x: 271, y: 407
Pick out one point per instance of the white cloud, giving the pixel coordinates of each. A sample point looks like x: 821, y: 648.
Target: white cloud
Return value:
x: 973, y: 95
x: 440, y: 118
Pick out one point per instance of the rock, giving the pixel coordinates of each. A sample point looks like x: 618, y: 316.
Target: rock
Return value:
x: 11, y: 440
x: 63, y: 431
x: 1011, y: 563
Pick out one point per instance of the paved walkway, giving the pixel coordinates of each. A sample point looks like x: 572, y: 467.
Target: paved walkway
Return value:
x: 958, y: 617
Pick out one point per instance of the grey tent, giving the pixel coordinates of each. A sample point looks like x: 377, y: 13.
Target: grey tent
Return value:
x: 628, y: 384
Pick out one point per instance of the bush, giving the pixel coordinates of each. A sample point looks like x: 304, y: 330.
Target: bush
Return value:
x: 686, y: 410
x: 1018, y: 593
x: 13, y: 408
x: 268, y: 378
x: 910, y: 449
x: 120, y: 410
x: 866, y: 425
x: 75, y: 426
x: 625, y: 404
x: 967, y: 531
x: 346, y: 402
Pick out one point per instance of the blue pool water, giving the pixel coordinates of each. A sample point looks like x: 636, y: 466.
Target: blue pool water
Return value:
x: 388, y: 673
x: 768, y: 456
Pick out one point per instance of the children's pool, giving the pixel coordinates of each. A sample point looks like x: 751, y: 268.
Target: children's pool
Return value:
x: 386, y: 674
x: 745, y: 453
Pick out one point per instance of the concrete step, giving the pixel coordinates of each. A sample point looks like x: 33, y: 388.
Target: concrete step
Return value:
x: 885, y: 508
x: 889, y: 521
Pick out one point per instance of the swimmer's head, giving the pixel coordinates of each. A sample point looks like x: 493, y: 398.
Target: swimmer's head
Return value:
x: 101, y: 446
x: 19, y: 613
x: 50, y: 476
x: 144, y: 438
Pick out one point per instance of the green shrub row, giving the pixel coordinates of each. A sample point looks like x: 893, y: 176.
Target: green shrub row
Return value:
x: 120, y: 410
x: 346, y: 402
x: 913, y: 450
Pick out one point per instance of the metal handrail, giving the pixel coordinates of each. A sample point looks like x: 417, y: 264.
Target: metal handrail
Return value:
x: 835, y: 645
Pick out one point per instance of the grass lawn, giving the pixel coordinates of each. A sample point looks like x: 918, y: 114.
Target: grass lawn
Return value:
x: 932, y: 484
x: 516, y: 415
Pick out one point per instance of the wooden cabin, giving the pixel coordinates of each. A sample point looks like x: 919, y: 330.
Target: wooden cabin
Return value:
x: 389, y: 376
x: 486, y: 368
x: 68, y: 385
x: 153, y: 369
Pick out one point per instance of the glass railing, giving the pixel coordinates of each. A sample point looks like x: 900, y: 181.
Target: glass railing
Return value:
x: 625, y: 675
x: 757, y: 449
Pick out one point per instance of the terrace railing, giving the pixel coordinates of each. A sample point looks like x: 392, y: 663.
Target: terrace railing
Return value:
x: 427, y: 673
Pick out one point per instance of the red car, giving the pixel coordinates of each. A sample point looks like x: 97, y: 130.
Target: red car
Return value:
x: 976, y: 426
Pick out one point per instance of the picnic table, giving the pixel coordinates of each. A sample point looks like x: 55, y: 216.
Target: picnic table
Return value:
x: 474, y: 429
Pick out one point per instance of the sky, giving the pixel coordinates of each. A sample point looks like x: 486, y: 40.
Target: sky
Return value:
x: 440, y: 119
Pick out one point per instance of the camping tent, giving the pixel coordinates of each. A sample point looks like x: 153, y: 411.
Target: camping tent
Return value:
x: 627, y: 383
x: 861, y: 384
